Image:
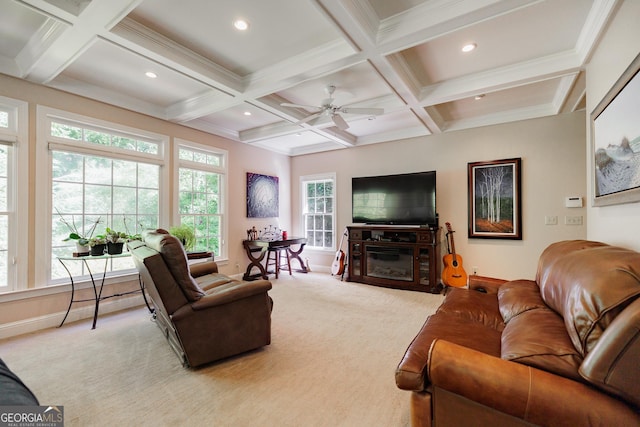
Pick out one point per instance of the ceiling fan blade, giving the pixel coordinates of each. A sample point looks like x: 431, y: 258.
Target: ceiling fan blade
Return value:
x: 286, y: 104
x: 365, y: 111
x: 308, y: 118
x: 339, y: 122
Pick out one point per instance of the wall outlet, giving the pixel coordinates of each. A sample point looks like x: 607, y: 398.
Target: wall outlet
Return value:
x: 573, y: 220
x: 474, y: 269
x: 551, y: 220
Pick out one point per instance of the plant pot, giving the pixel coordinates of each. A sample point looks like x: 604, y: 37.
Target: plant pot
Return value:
x: 114, y: 248
x: 82, y: 249
x: 98, y: 250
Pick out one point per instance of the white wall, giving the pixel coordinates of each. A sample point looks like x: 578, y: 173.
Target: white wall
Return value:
x: 619, y: 224
x: 553, y: 167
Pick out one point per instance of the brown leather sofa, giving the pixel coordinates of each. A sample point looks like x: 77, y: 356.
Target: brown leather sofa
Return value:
x: 205, y: 316
x: 563, y: 350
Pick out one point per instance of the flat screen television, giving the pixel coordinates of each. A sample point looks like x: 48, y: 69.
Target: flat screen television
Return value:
x: 404, y: 199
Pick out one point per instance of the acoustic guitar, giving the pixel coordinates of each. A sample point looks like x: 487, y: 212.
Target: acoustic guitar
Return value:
x: 337, y: 267
x: 453, y: 273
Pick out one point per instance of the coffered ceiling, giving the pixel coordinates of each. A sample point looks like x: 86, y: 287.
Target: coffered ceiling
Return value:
x: 402, y: 56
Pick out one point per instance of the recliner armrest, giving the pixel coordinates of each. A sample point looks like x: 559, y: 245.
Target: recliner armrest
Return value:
x: 203, y: 268
x: 522, y: 391
x: 224, y: 294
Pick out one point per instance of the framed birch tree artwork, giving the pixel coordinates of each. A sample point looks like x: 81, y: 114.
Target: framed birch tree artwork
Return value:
x: 494, y: 199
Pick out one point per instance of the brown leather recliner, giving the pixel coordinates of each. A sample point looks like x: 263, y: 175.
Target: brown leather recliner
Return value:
x: 205, y: 316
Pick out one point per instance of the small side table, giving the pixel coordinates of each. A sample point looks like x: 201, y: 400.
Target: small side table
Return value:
x: 97, y: 292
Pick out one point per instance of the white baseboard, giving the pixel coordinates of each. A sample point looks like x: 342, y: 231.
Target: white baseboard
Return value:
x: 34, y: 324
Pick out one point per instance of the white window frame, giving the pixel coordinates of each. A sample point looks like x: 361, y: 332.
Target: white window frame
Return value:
x: 16, y: 135
x: 43, y: 208
x: 178, y: 143
x: 303, y: 208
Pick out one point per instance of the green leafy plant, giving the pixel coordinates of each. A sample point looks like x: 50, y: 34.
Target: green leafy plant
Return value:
x: 74, y: 233
x: 114, y: 236
x: 185, y: 234
x: 98, y: 240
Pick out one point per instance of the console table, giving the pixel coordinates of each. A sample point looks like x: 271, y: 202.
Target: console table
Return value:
x: 257, y: 249
x: 395, y: 257
x: 97, y: 293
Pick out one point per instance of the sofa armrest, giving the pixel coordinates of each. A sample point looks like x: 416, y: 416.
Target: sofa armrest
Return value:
x: 521, y: 391
x: 224, y: 294
x: 202, y: 268
x: 489, y: 285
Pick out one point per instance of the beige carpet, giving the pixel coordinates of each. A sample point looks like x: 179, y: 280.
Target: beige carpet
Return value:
x: 335, y: 346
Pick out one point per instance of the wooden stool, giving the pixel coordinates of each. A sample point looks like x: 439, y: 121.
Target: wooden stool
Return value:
x: 276, y: 260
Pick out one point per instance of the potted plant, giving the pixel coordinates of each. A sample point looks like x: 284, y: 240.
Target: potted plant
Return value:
x: 82, y: 240
x: 115, y: 241
x: 185, y: 234
x: 98, y: 245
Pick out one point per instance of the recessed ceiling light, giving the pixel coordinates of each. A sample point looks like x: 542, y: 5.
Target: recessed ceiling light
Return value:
x: 247, y: 113
x: 151, y: 74
x: 479, y: 96
x: 241, y: 24
x: 469, y: 47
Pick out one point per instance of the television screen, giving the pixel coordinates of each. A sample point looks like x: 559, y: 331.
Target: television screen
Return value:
x: 405, y: 199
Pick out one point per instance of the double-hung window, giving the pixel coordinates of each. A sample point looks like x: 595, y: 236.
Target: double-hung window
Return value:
x: 318, y: 210
x: 202, y: 174
x: 99, y: 175
x: 13, y: 182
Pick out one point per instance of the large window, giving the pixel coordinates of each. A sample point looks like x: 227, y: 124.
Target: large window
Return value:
x: 13, y: 181
x: 201, y: 188
x: 318, y: 210
x: 101, y: 176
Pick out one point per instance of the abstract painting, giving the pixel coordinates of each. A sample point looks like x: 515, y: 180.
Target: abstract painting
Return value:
x: 262, y: 196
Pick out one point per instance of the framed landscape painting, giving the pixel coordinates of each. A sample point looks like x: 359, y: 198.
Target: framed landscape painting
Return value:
x: 615, y: 136
x: 494, y: 199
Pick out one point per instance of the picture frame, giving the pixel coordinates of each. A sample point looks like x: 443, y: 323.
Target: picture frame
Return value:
x: 615, y: 142
x: 262, y: 196
x: 495, y: 205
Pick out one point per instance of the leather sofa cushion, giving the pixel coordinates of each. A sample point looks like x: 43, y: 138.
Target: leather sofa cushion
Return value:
x: 589, y: 284
x: 538, y: 338
x: 518, y: 296
x: 474, y: 306
x: 176, y: 259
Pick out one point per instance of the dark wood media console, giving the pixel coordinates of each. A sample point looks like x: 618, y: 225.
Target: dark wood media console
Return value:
x: 394, y: 257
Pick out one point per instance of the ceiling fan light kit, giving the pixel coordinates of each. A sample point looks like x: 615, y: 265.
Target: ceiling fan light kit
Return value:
x: 327, y: 107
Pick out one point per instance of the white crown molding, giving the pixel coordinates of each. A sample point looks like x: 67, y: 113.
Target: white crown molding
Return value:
x: 513, y: 115
x: 593, y: 28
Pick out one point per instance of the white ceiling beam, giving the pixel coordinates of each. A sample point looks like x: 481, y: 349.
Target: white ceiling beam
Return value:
x: 507, y: 77
x: 57, y: 53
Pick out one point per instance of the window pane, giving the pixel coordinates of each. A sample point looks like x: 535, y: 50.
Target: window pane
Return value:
x: 4, y: 119
x: 148, y: 147
x: 96, y: 137
x: 97, y: 199
x: 148, y: 175
x: 124, y: 173
x: 97, y: 170
x: 66, y: 131
x: 68, y: 166
x: 122, y: 142
x: 3, y: 193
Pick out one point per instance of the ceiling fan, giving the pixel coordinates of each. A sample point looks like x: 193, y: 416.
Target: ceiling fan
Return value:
x: 328, y: 108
